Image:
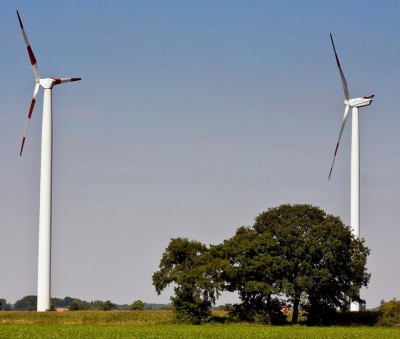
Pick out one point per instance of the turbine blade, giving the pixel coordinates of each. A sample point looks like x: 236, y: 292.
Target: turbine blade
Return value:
x: 30, y: 52
x: 345, y: 115
x: 35, y: 93
x: 344, y: 82
x: 58, y: 81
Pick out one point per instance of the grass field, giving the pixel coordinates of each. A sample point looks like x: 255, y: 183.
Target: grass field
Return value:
x: 159, y: 324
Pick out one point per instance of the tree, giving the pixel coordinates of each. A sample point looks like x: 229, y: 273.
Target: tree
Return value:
x: 297, y: 251
x: 248, y: 263
x: 27, y: 303
x: 108, y: 306
x: 390, y: 313
x: 185, y: 264
x: 322, y: 260
x: 137, y: 305
x: 77, y: 305
x: 4, y: 305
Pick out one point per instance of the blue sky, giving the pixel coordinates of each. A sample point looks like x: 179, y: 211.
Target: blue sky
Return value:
x: 192, y: 117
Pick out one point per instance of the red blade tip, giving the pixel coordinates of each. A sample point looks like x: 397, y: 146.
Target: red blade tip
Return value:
x: 19, y: 19
x: 22, y: 146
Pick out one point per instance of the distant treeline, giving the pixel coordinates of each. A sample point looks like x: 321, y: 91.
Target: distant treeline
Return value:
x: 29, y: 303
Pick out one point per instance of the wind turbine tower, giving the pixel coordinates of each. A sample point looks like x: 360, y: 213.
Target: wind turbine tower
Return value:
x: 354, y: 104
x: 44, y: 258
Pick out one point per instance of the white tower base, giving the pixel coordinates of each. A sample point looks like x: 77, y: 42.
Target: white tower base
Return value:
x: 355, y: 184
x: 44, y: 259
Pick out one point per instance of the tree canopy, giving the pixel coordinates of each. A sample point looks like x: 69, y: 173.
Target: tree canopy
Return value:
x: 27, y: 303
x: 185, y: 264
x: 307, y: 254
x: 4, y: 305
x: 293, y: 254
x: 249, y: 264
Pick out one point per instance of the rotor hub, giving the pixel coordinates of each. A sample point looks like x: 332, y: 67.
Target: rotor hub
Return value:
x: 47, y: 83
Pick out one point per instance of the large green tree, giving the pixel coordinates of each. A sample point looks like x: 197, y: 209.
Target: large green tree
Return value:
x: 186, y: 265
x: 297, y: 251
x: 324, y: 262
x: 249, y: 263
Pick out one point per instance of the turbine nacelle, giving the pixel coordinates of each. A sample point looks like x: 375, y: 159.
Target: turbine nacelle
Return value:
x: 359, y: 102
x: 46, y: 83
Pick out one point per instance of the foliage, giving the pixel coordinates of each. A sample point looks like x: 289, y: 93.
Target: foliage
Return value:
x: 96, y: 305
x: 65, y: 302
x: 137, y: 305
x: 295, y: 251
x: 265, y: 313
x: 108, y: 306
x: 318, y: 256
x: 4, y: 305
x: 246, y: 265
x: 185, y: 264
x: 390, y: 313
x: 77, y: 305
x: 27, y: 303
x: 294, y: 254
x: 360, y: 318
x: 153, y: 306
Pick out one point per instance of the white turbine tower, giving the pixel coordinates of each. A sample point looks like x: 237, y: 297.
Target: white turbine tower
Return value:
x: 44, y: 259
x: 354, y: 104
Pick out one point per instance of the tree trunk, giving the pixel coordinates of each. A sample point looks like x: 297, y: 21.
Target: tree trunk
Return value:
x: 296, y: 302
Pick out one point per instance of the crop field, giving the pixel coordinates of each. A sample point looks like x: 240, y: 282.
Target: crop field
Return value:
x: 87, y: 318
x: 189, y: 331
x: 159, y: 324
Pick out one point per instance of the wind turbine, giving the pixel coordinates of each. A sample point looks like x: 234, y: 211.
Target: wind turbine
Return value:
x: 354, y: 104
x: 44, y: 259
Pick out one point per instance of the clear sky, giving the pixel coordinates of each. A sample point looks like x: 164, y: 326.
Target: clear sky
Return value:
x: 192, y: 117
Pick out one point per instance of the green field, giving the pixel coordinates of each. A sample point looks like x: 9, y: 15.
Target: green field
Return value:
x: 159, y: 324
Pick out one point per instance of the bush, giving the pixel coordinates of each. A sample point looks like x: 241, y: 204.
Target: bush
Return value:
x: 263, y: 314
x: 137, y: 305
x: 188, y: 311
x: 390, y: 314
x: 337, y: 318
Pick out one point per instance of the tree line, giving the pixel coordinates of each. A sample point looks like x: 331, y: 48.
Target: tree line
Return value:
x: 295, y: 256
x: 29, y: 303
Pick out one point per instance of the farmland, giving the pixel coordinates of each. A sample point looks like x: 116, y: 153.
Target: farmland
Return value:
x: 189, y: 331
x: 159, y: 324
